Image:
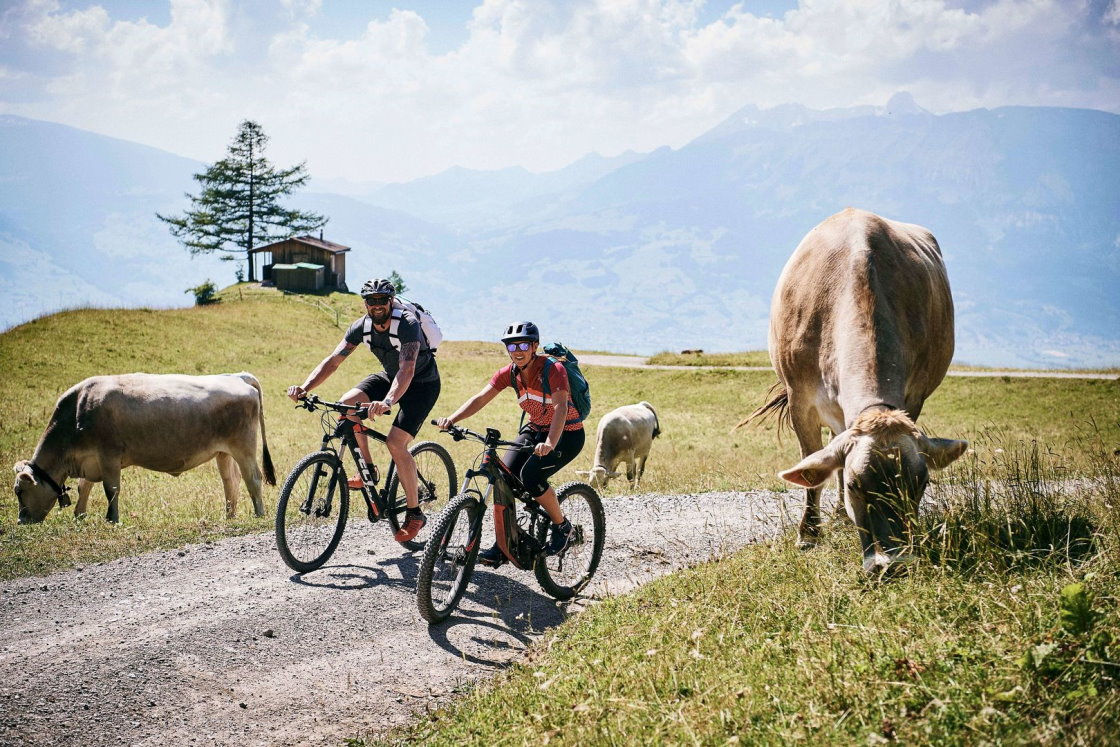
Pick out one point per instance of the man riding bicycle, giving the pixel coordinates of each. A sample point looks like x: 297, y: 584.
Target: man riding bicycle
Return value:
x: 410, y: 380
x: 554, y: 429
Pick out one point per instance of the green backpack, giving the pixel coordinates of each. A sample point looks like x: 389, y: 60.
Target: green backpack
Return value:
x: 581, y: 392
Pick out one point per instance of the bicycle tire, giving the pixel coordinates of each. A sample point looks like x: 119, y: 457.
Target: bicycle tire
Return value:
x: 310, y: 522
x: 449, y: 558
x: 433, y: 461
x: 564, y: 575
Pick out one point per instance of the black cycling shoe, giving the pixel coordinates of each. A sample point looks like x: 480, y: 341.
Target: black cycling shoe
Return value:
x: 561, y: 537
x: 492, y: 557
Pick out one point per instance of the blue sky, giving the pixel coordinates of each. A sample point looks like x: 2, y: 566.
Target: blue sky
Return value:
x: 390, y: 91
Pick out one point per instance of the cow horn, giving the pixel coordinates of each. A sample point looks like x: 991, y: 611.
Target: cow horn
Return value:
x: 22, y: 469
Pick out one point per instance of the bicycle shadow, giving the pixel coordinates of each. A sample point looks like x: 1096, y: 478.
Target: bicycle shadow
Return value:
x: 362, y: 577
x: 505, y: 608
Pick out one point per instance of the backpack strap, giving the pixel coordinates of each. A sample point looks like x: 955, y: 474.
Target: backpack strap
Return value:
x: 367, y: 331
x: 546, y: 386
x: 394, y: 327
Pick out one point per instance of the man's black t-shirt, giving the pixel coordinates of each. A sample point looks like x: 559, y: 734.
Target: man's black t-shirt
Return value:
x: 380, y: 344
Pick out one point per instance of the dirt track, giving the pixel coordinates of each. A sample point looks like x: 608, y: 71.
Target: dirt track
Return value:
x: 221, y: 644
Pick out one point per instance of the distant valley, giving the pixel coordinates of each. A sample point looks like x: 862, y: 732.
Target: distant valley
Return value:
x: 640, y: 252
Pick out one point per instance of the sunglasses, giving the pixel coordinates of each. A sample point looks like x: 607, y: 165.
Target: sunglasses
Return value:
x: 377, y: 300
x: 513, y: 346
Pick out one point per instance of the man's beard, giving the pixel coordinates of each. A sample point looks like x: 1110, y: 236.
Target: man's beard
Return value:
x: 380, y: 315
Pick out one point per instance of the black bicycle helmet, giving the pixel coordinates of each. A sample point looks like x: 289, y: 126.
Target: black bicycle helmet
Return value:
x: 521, y: 331
x: 378, y: 287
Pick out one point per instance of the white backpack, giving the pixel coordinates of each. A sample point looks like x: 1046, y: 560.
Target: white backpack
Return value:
x: 428, y: 325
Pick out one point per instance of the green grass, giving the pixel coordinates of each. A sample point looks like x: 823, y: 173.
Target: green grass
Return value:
x: 987, y: 640
x: 750, y: 358
x: 1005, y: 631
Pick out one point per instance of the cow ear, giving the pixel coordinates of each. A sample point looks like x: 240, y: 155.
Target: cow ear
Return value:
x: 583, y: 473
x: 23, y: 467
x: 814, y: 469
x: 941, y: 452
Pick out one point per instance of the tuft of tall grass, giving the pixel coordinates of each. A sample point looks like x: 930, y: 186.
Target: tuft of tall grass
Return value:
x: 1016, y: 505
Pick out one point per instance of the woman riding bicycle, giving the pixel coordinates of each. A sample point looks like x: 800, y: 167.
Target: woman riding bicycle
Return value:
x: 554, y: 429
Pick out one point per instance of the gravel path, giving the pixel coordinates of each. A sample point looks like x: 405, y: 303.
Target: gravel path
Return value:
x: 221, y: 644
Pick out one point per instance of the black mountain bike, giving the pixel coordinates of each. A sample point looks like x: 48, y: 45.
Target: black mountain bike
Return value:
x: 315, y: 500
x: 453, y: 545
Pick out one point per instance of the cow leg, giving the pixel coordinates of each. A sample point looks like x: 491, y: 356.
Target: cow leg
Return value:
x: 231, y: 476
x: 641, y: 471
x: 85, y: 487
x: 111, y: 480
x: 840, y: 513
x: 251, y: 473
x: 808, y: 429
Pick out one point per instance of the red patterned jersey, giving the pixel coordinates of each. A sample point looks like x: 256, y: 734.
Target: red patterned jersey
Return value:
x: 531, y: 397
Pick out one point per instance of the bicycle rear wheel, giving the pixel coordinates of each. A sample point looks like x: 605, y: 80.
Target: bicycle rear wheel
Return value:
x: 565, y: 574
x: 449, y: 558
x: 435, y: 472
x: 311, y: 512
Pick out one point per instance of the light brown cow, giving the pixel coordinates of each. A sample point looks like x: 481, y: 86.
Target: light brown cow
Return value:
x: 861, y: 333
x: 164, y: 422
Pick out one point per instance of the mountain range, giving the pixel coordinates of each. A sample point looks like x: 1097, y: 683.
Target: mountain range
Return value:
x: 640, y: 252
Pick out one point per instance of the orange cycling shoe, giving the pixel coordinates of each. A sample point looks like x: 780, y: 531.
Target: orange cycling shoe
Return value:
x: 413, y: 523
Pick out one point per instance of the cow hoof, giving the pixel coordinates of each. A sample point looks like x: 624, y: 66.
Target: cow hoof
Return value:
x: 883, y: 566
x: 806, y: 543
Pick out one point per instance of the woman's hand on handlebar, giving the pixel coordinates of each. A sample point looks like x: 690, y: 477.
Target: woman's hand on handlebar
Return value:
x: 544, y: 448
x: 443, y: 423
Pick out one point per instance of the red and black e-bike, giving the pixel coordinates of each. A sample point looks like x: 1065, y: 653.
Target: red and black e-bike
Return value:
x: 521, y: 527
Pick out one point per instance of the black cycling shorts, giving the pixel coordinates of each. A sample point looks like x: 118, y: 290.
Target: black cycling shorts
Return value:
x: 413, y: 408
x: 533, y: 470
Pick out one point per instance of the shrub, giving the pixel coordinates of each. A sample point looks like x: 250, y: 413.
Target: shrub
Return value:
x: 204, y: 294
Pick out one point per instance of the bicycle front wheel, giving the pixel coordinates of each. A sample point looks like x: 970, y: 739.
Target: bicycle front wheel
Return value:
x: 436, y: 483
x: 449, y: 558
x: 563, y: 575
x: 312, y: 510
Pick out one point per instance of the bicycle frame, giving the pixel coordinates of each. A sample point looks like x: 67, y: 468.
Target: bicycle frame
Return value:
x: 345, y: 431
x: 520, y: 547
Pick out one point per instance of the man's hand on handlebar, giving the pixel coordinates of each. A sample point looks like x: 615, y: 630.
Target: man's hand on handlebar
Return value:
x: 443, y: 423
x: 296, y: 393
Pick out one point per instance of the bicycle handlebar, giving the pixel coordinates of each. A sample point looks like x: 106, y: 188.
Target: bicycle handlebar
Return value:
x: 311, y: 402
x: 459, y: 433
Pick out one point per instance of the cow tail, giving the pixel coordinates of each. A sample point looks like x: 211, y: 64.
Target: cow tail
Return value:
x: 779, y: 404
x: 266, y: 458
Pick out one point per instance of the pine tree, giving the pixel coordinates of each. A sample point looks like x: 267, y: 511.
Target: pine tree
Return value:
x: 238, y: 207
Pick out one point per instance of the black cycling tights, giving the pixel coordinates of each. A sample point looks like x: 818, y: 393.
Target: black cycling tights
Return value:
x: 534, y: 471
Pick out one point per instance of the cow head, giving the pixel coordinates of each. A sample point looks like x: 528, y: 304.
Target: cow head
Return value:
x: 886, y: 462
x: 598, y: 476
x: 35, y: 494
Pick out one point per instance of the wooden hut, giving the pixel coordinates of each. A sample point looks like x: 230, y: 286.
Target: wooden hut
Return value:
x: 303, y: 263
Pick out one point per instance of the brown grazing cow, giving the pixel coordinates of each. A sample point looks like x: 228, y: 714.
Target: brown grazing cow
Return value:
x: 164, y: 422
x: 861, y: 333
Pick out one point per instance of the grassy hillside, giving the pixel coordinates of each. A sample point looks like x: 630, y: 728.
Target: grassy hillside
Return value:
x: 988, y: 640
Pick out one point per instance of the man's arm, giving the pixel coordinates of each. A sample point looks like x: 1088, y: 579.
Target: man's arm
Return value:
x: 323, y: 371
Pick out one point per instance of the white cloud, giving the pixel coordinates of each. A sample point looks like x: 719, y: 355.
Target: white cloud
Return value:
x: 538, y: 82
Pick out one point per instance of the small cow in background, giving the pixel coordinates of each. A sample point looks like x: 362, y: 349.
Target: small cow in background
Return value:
x: 164, y: 422
x: 624, y: 435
